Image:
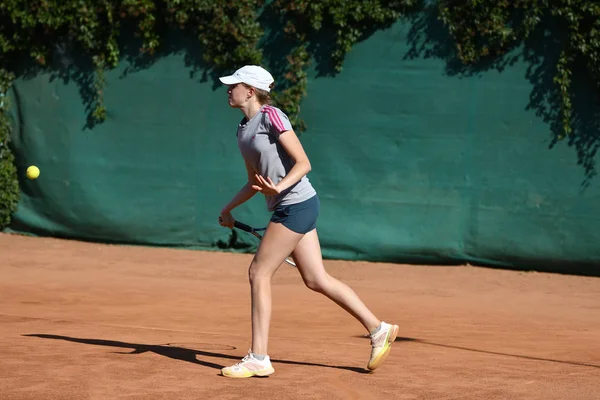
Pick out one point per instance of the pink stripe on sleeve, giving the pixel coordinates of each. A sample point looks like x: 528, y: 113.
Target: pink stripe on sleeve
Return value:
x: 274, y: 117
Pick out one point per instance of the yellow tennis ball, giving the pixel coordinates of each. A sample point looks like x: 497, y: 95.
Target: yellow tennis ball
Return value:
x: 33, y: 172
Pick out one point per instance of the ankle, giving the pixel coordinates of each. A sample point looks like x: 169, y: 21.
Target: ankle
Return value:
x: 376, y: 329
x: 259, y: 357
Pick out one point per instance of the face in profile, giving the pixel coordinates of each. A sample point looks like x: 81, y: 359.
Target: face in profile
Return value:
x: 237, y: 95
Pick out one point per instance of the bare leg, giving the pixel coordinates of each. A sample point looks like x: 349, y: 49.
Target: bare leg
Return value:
x: 307, y: 255
x: 277, y: 243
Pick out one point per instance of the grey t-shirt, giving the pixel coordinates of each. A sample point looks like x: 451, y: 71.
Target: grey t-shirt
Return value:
x: 258, y: 140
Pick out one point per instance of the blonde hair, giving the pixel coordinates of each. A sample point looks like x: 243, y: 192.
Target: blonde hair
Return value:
x: 262, y: 96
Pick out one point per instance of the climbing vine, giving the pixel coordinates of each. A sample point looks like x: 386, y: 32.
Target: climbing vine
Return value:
x: 230, y: 33
x: 342, y: 22
x: 486, y: 29
x: 9, y: 188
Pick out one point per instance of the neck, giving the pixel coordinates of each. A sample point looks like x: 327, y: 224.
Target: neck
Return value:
x: 250, y: 109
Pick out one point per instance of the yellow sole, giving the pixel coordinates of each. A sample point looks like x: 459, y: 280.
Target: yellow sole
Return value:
x: 259, y: 374
x: 376, y: 363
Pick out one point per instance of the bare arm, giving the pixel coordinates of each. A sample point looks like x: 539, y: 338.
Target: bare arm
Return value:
x: 290, y: 142
x: 243, y: 195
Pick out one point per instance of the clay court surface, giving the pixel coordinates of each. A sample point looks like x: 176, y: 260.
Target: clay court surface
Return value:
x: 89, y: 321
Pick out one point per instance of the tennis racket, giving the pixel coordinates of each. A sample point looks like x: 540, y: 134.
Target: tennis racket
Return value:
x: 254, y: 231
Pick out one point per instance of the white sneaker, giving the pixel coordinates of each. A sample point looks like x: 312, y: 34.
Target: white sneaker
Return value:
x: 249, y: 367
x: 381, y: 343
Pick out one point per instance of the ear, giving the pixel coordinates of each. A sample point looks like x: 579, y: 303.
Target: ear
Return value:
x: 251, y: 92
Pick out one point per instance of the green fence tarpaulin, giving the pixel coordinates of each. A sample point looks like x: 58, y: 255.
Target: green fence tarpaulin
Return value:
x: 413, y: 163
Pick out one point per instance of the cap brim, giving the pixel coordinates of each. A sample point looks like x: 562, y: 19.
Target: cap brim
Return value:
x: 229, y: 80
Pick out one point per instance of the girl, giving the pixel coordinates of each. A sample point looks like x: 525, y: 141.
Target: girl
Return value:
x: 277, y: 167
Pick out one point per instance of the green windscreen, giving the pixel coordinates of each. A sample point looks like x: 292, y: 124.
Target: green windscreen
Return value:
x: 413, y: 161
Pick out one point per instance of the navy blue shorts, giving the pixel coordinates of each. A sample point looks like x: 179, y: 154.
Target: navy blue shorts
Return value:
x: 300, y: 217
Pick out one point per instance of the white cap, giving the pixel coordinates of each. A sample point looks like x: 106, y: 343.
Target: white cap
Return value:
x: 252, y: 75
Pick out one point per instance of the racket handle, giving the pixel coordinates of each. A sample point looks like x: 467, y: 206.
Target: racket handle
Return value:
x: 242, y: 226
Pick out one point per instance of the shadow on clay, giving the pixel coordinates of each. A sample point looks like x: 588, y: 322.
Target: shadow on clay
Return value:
x: 182, y: 353
x: 406, y: 339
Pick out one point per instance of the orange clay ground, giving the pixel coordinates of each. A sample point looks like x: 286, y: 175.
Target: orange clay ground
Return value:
x: 89, y: 321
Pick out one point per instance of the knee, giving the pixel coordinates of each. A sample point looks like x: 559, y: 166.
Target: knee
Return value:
x: 255, y: 275
x: 316, y: 284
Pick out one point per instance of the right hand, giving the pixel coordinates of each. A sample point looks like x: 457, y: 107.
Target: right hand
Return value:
x: 226, y: 219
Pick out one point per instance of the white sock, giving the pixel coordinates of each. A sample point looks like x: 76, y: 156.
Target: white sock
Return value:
x: 259, y: 357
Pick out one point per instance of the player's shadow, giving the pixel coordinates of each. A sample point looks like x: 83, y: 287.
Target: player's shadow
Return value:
x: 180, y: 353
x: 496, y: 353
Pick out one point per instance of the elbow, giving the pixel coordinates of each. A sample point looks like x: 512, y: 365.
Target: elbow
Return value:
x: 306, y: 167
